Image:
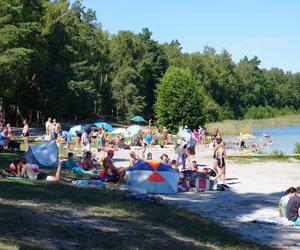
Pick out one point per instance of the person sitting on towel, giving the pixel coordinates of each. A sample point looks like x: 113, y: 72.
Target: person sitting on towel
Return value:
x: 87, y: 162
x: 284, y: 200
x: 70, y: 162
x: 111, y: 172
x: 24, y: 171
x: 293, y: 208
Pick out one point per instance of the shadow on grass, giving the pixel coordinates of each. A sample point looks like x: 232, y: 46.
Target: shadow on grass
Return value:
x: 38, y: 229
x: 132, y: 224
x: 7, y: 158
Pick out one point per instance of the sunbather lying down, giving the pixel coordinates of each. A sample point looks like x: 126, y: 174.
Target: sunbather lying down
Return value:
x: 24, y: 171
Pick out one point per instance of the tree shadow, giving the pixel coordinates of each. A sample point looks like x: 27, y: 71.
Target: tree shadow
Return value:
x: 40, y: 228
x: 109, y: 222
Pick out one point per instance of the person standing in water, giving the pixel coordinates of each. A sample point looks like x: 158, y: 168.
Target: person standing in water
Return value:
x: 25, y: 134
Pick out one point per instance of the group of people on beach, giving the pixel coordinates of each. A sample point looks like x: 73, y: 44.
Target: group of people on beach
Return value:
x: 5, y: 135
x: 289, y: 205
x: 89, y: 137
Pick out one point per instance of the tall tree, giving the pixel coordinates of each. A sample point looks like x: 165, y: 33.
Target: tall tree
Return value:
x: 180, y: 100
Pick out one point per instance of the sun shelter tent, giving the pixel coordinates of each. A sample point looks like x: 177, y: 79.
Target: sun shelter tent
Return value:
x: 43, y: 155
x: 137, y: 119
x: 153, y: 176
x: 133, y: 130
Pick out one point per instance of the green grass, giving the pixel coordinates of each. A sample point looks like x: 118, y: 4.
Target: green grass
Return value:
x: 234, y: 127
x: 37, y: 214
x: 245, y: 159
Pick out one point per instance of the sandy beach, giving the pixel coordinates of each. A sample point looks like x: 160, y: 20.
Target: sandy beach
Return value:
x: 255, y: 190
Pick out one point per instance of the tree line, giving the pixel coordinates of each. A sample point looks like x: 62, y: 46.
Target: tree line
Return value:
x: 56, y: 60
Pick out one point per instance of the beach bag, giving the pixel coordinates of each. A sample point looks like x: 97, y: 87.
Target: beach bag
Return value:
x: 205, y: 184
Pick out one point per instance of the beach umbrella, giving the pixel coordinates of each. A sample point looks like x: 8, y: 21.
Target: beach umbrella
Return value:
x: 133, y: 130
x: 137, y: 119
x: 105, y: 125
x: 246, y: 136
x: 120, y: 131
x: 74, y: 129
x: 153, y: 176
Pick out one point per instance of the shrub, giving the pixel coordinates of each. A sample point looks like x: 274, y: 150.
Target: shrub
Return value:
x: 261, y: 112
x: 297, y: 148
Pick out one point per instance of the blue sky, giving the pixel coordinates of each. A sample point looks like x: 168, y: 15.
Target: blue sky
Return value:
x: 266, y: 28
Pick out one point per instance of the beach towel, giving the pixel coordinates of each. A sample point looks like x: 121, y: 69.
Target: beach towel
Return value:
x: 17, y: 178
x: 78, y: 170
x: 89, y: 183
x: 139, y: 197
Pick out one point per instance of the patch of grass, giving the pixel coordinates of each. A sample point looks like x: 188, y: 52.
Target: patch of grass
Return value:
x: 242, y: 159
x: 7, y: 158
x: 234, y: 127
x: 137, y: 225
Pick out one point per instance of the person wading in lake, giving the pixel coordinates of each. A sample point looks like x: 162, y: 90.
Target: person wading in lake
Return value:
x: 25, y: 134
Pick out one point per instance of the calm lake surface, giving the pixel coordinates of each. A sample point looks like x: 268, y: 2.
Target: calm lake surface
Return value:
x: 284, y: 138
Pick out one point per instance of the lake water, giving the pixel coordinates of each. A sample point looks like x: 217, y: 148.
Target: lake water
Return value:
x: 284, y: 138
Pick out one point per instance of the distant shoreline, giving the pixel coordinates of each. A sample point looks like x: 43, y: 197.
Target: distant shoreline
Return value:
x: 234, y: 127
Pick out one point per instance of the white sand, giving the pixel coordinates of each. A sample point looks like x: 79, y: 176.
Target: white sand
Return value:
x: 255, y: 191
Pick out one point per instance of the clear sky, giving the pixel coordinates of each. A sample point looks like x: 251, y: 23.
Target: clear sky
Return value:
x: 266, y: 28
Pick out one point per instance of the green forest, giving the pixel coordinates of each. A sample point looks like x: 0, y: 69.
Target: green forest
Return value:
x: 57, y: 60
